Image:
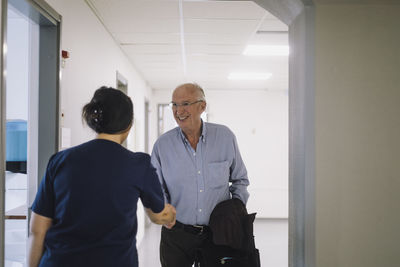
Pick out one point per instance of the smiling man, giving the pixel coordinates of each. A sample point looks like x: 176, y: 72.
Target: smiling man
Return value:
x: 199, y: 165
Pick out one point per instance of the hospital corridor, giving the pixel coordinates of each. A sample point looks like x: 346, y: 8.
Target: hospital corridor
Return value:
x: 304, y: 92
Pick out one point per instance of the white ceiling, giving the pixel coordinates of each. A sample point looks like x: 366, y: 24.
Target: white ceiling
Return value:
x: 201, y: 42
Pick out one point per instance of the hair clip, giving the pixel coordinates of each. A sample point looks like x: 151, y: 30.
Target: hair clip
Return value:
x: 97, y: 115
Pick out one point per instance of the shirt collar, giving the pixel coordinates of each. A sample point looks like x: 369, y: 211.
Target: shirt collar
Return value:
x: 202, y: 136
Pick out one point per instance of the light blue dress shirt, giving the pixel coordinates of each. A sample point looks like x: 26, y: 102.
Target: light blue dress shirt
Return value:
x: 194, y: 182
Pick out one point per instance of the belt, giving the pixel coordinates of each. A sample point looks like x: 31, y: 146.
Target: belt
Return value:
x: 193, y: 229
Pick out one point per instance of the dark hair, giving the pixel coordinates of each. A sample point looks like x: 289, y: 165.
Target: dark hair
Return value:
x: 110, y: 111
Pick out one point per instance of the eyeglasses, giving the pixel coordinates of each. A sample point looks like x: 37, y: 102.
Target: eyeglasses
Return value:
x: 184, y: 104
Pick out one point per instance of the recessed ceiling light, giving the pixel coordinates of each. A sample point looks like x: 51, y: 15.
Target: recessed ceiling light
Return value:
x: 266, y: 50
x: 249, y: 76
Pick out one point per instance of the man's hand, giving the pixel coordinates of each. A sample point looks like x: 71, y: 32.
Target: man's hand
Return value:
x: 166, y: 216
x: 172, y: 223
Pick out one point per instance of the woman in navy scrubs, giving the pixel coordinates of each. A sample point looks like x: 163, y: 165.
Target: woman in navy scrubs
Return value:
x: 84, y: 213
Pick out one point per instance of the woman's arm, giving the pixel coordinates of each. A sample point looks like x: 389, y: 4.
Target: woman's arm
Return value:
x: 37, y: 232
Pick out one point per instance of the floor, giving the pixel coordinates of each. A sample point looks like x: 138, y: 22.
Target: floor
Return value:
x: 271, y: 236
x: 15, y: 230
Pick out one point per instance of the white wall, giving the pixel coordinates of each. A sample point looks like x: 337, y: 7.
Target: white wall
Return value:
x: 94, y: 60
x: 357, y: 127
x: 259, y: 120
x: 17, y: 68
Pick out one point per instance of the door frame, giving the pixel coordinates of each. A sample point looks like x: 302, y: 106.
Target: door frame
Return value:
x: 299, y: 15
x: 48, y: 93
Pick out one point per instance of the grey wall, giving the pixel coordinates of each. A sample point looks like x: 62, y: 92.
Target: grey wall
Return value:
x: 351, y: 167
x: 357, y: 129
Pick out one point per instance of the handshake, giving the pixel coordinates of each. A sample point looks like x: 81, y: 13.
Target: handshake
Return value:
x: 167, y: 216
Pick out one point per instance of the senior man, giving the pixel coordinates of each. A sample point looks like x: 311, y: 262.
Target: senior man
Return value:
x: 199, y: 165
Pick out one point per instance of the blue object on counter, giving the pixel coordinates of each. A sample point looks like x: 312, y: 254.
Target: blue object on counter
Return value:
x: 16, y: 140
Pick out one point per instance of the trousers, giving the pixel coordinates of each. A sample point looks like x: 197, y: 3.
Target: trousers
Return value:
x: 178, y: 245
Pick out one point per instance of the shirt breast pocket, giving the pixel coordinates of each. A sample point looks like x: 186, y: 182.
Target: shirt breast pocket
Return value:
x: 218, y: 174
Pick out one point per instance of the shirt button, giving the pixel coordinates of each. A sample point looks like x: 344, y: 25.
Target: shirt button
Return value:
x: 199, y: 210
x: 199, y: 172
x: 201, y: 190
x: 194, y: 154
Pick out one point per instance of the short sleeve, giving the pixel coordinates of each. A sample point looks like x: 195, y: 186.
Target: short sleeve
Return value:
x: 152, y: 196
x: 44, y: 201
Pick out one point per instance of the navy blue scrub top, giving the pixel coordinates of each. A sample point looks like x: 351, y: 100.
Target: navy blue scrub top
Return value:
x: 91, y: 193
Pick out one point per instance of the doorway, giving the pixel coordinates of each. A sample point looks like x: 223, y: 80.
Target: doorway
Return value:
x: 29, y: 117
